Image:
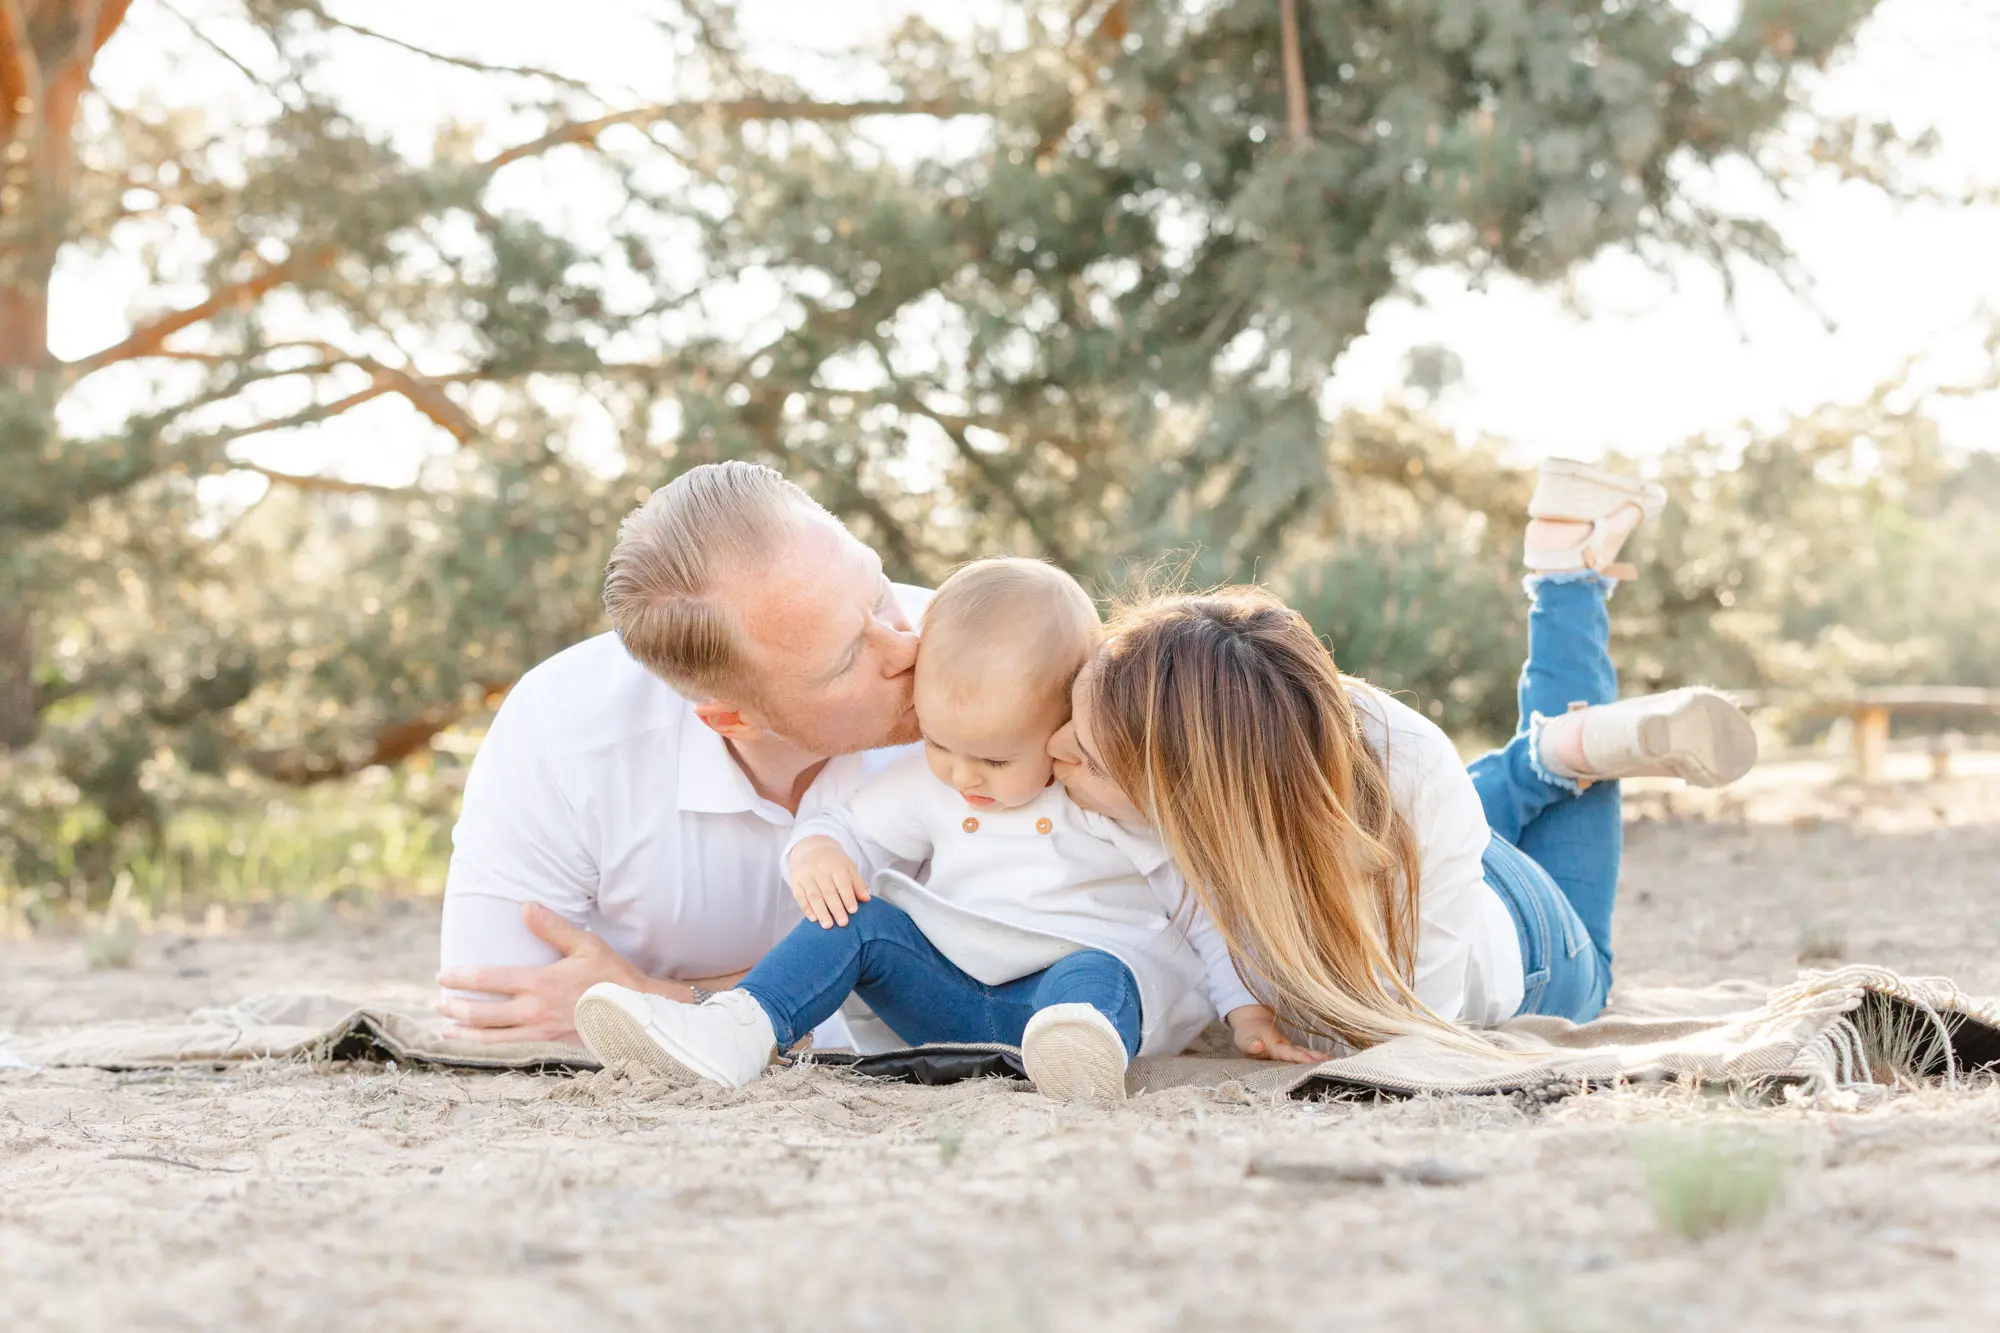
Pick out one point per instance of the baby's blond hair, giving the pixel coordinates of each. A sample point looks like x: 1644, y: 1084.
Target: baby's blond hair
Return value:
x: 1009, y: 623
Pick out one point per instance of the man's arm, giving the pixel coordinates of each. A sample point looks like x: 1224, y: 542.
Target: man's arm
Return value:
x: 530, y: 1000
x: 512, y: 957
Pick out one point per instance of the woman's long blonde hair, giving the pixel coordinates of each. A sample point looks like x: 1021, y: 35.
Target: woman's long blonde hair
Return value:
x: 1226, y: 722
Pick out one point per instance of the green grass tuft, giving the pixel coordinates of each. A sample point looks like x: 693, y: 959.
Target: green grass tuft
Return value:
x: 950, y: 1137
x: 1709, y: 1180
x: 1904, y: 1046
x: 110, y: 940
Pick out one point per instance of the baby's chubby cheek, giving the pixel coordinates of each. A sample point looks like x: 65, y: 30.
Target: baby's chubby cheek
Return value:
x: 1024, y: 780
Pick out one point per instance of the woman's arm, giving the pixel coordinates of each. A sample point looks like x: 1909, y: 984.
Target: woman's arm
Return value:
x: 1451, y: 832
x: 1226, y: 988
x: 1252, y: 1023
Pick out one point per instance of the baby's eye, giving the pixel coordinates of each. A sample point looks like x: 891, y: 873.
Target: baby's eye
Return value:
x: 996, y: 763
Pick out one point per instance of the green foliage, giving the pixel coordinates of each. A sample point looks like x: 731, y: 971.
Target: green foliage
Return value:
x: 1083, y: 306
x: 1417, y: 615
x: 1713, y: 1179
x: 1843, y: 549
x: 355, y: 842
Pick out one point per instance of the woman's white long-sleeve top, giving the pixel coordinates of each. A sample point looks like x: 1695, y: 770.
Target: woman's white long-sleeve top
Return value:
x: 1010, y: 892
x: 1468, y: 949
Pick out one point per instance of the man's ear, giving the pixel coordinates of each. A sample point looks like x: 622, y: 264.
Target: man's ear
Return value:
x: 729, y: 721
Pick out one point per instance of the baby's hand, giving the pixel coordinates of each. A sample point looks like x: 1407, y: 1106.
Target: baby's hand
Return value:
x: 825, y: 881
x: 1259, y: 1037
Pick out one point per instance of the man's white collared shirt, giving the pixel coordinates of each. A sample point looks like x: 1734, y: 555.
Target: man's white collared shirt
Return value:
x: 598, y: 793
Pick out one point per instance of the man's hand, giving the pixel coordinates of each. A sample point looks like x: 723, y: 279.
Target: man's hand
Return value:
x: 825, y: 881
x: 541, y: 999
x: 1258, y: 1036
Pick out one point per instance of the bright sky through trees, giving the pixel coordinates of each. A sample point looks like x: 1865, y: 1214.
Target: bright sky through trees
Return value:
x: 1619, y: 357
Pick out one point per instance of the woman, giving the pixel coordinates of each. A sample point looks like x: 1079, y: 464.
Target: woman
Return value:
x: 1368, y: 884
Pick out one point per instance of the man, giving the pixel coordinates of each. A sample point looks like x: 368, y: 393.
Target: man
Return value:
x: 624, y: 817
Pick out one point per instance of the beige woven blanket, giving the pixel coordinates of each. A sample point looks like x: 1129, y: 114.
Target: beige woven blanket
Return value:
x: 1827, y: 1030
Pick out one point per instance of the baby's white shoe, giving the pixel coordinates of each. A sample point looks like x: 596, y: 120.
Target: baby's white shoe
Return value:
x: 1074, y: 1054
x: 1694, y: 734
x: 726, y: 1039
x: 1611, y: 505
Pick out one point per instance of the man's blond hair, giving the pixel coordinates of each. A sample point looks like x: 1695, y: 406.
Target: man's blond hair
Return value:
x: 659, y: 582
x: 1009, y: 623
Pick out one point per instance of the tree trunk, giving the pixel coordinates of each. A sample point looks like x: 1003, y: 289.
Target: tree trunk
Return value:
x: 47, y: 48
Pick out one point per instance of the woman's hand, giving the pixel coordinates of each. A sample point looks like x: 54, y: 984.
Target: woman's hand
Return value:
x: 825, y: 881
x: 1258, y: 1036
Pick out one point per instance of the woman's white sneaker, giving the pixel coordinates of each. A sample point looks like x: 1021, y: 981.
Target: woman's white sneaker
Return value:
x: 726, y: 1039
x: 1694, y: 734
x: 1074, y: 1054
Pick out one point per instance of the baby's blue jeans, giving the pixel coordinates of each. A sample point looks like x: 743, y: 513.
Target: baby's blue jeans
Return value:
x: 923, y: 996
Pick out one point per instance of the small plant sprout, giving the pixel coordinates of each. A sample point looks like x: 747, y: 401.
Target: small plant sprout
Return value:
x: 950, y: 1136
x: 110, y: 940
x: 111, y: 937
x: 1713, y: 1179
x: 1822, y: 942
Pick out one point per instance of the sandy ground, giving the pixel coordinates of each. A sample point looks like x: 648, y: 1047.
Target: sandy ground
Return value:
x: 293, y: 1198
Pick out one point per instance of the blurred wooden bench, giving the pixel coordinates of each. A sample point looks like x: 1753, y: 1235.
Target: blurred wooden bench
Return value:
x: 1870, y: 709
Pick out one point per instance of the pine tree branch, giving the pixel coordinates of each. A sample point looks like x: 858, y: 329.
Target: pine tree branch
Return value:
x: 304, y: 417
x: 901, y: 557
x: 424, y: 393
x: 300, y: 481
x: 300, y: 767
x: 955, y: 428
x: 1094, y: 19
x: 1300, y: 127
x: 462, y: 62
x: 195, y: 31
x: 731, y: 112
x: 148, y: 338
x: 427, y: 395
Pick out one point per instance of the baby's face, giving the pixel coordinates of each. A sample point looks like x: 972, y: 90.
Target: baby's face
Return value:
x: 991, y: 749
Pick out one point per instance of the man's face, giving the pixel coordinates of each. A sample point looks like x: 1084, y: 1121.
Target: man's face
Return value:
x: 829, y: 648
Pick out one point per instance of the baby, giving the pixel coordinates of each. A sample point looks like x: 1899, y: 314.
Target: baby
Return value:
x: 1038, y: 924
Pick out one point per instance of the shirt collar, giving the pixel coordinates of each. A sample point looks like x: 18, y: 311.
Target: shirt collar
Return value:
x: 711, y: 782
